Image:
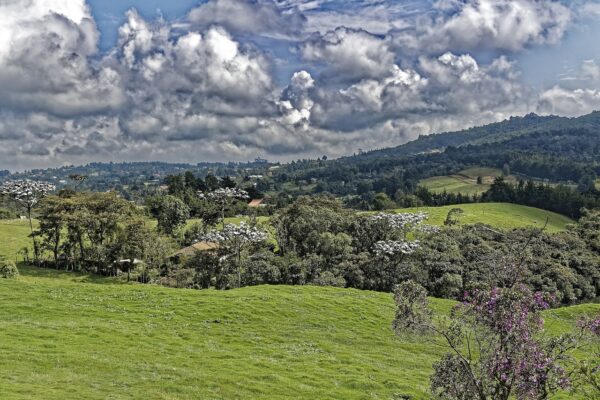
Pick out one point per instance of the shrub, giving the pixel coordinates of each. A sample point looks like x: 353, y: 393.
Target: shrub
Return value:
x: 6, y: 214
x: 8, y: 270
x: 327, y: 278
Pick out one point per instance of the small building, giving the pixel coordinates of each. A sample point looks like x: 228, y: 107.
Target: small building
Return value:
x: 256, y: 203
x: 199, y: 246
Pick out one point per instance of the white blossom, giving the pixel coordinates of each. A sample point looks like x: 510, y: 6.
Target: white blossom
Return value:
x: 224, y: 195
x: 242, y: 233
x: 392, y: 247
x: 26, y: 192
x: 429, y: 229
x: 400, y: 221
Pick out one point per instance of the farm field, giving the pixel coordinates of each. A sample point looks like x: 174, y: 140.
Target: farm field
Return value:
x: 70, y: 336
x: 499, y: 215
x: 464, y: 182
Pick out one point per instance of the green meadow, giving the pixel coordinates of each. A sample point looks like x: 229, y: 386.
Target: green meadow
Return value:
x: 499, y: 215
x: 465, y: 181
x: 14, y: 236
x: 72, y: 336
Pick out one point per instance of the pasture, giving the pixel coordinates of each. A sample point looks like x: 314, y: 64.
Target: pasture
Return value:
x: 499, y: 215
x: 72, y: 336
x: 464, y: 182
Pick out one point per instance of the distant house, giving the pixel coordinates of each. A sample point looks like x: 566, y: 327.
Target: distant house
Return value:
x: 128, y: 261
x: 256, y: 203
x: 191, y: 250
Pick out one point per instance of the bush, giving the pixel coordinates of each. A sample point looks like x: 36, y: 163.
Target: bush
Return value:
x: 6, y: 214
x: 8, y: 270
x: 327, y: 278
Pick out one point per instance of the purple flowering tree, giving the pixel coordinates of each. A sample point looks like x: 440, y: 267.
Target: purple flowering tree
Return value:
x: 587, y: 373
x: 496, y: 341
x: 27, y: 193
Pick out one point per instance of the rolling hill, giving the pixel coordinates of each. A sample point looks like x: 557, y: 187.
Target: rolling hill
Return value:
x: 67, y: 336
x: 506, y: 130
x: 499, y: 215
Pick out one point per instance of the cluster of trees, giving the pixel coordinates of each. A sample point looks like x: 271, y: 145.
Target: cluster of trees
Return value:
x: 560, y: 199
x: 100, y: 233
x: 318, y: 241
x: 314, y: 240
x: 187, y: 186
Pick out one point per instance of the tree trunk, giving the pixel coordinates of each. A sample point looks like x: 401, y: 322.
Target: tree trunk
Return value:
x: 223, y: 215
x: 35, y: 248
x: 239, y: 267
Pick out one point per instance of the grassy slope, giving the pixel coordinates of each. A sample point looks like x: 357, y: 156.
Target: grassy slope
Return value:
x: 464, y: 182
x: 500, y: 215
x: 13, y: 237
x: 66, y: 336
x: 454, y: 184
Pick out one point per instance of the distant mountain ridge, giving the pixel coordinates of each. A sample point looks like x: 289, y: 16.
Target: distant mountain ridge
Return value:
x: 491, y: 133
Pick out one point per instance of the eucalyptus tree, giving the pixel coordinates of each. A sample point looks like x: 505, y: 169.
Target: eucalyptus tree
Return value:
x: 234, y: 239
x: 171, y: 213
x: 77, y: 180
x: 224, y: 197
x: 27, y: 193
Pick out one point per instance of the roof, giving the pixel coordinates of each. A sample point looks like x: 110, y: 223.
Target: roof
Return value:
x: 255, y: 203
x: 128, y: 260
x: 199, y: 246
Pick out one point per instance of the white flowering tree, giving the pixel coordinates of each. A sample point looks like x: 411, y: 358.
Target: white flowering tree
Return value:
x: 394, y: 247
x: 401, y: 223
x: 404, y: 222
x: 235, y: 238
x: 223, y: 198
x: 428, y: 230
x: 27, y: 193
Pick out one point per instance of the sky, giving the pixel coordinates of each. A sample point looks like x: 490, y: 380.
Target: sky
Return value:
x: 231, y: 80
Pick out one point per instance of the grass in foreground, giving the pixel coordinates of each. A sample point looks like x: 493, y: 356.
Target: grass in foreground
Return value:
x: 64, y: 336
x: 499, y: 215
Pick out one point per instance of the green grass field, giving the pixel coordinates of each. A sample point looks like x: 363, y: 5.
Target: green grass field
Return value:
x: 14, y: 235
x: 500, y: 215
x: 465, y: 181
x: 454, y: 184
x: 68, y: 336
